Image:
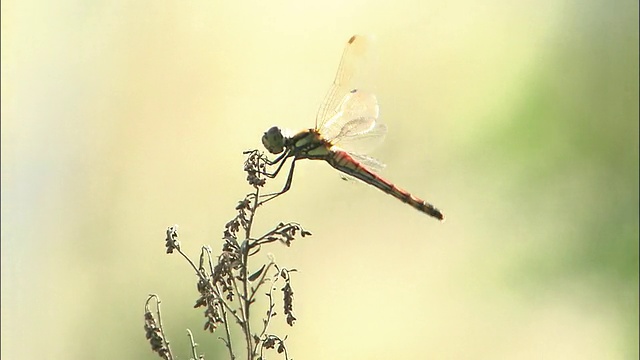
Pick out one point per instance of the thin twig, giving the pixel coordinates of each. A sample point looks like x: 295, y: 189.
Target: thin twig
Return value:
x: 223, y: 308
x: 245, y: 300
x: 153, y: 329
x: 267, y: 320
x: 227, y: 342
x: 194, y: 353
x: 261, y: 281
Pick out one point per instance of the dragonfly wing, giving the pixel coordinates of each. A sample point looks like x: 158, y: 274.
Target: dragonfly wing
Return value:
x: 368, y: 162
x: 349, y: 72
x: 355, y: 126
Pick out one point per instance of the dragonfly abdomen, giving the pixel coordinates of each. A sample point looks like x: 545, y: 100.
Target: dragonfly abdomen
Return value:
x: 345, y: 163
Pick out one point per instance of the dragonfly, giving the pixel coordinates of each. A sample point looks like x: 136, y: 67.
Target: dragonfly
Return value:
x: 346, y: 121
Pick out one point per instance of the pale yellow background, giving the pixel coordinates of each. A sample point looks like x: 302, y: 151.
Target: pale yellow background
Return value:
x: 518, y: 119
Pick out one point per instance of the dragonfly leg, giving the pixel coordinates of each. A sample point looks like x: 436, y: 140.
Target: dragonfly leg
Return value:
x: 273, y: 174
x: 282, y: 159
x: 284, y: 155
x: 287, y: 185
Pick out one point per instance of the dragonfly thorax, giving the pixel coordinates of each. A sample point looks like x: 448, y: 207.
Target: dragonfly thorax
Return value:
x: 273, y: 140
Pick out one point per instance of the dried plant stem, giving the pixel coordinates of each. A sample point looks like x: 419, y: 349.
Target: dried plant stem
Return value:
x: 245, y: 295
x: 227, y: 341
x: 227, y: 286
x: 267, y: 321
x: 245, y: 298
x: 155, y: 329
x: 194, y: 353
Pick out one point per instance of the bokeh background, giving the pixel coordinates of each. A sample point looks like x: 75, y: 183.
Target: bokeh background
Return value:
x: 518, y: 119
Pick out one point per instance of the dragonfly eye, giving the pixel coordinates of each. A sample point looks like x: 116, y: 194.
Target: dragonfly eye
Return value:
x: 273, y: 140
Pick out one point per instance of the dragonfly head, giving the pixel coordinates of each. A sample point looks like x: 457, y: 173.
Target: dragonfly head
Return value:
x: 273, y: 140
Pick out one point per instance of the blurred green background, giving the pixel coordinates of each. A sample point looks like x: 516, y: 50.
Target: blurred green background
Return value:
x: 518, y: 119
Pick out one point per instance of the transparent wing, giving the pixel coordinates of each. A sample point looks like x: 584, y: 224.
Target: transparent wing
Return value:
x: 348, y: 116
x: 355, y: 127
x: 367, y: 161
x: 348, y: 72
x: 370, y: 163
